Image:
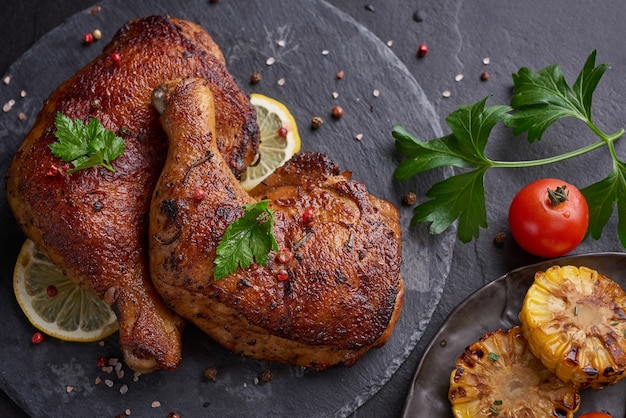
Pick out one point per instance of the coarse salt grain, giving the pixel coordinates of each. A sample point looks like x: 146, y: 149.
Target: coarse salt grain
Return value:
x: 124, y: 389
x: 101, y: 343
x: 359, y: 137
x: 69, y: 389
x: 23, y: 93
x: 113, y: 361
x: 446, y: 93
x: 270, y: 61
x: 335, y: 95
x: 6, y: 80
x: 109, y: 383
x: 21, y: 116
x: 325, y: 52
x: 376, y: 93
x: 120, y: 374
x: 127, y: 412
x: 486, y: 60
x: 8, y: 105
x: 282, y: 43
x: 281, y: 82
x: 389, y: 43
x: 458, y: 77
x: 155, y: 404
x: 98, y: 380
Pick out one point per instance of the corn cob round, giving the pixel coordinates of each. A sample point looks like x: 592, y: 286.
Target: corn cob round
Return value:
x: 575, y: 321
x: 498, y: 376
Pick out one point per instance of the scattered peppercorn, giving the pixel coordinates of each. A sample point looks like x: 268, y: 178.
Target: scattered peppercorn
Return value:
x: 198, y: 195
x: 369, y: 8
x: 409, y: 198
x: 266, y: 376
x: 499, y: 239
x: 337, y: 112
x: 210, y: 373
x: 255, y: 77
x: 97, y: 34
x: 282, y: 276
x: 340, y: 75
x: 422, y: 50
x: 308, y: 215
x: 95, y: 104
x: 116, y: 57
x: 173, y: 415
x: 316, y: 122
x: 484, y: 76
x: 37, y: 338
x: 282, y: 132
x: 88, y: 38
x: 102, y: 362
x: 419, y: 16
x: 52, y: 291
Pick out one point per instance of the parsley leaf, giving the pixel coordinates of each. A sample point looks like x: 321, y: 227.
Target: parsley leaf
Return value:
x: 249, y: 238
x: 544, y: 97
x: 85, y: 145
x: 461, y: 196
x: 540, y: 99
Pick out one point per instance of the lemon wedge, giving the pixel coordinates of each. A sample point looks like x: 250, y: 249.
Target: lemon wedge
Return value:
x: 54, y: 304
x: 279, y: 139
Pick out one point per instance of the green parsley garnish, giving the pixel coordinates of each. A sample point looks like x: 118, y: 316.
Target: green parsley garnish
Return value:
x: 540, y: 99
x: 497, y: 402
x: 493, y: 410
x: 250, y: 237
x: 493, y: 356
x: 85, y: 145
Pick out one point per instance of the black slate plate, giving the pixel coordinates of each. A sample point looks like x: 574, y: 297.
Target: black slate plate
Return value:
x: 494, y: 306
x: 310, y: 41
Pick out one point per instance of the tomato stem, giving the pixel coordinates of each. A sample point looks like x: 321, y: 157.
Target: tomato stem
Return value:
x: 558, y: 196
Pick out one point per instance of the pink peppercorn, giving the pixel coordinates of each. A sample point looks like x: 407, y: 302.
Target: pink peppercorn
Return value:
x: 422, y: 50
x: 308, y: 215
x: 282, y: 275
x: 37, y: 338
x: 88, y: 38
x: 282, y: 132
x: 116, y: 57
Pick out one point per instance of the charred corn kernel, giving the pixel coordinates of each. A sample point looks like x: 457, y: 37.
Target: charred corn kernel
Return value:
x: 499, y: 376
x: 575, y: 321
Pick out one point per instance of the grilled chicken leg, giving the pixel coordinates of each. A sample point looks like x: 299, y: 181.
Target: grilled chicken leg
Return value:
x: 93, y: 223
x: 343, y: 292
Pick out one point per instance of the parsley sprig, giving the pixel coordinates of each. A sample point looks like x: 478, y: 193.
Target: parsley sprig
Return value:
x: 250, y: 237
x: 85, y: 145
x: 540, y: 99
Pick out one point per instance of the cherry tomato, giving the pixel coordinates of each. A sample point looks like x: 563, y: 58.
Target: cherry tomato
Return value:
x: 549, y: 217
x: 595, y: 415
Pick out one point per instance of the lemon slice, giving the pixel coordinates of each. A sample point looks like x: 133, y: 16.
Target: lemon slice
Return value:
x: 54, y: 304
x: 276, y: 147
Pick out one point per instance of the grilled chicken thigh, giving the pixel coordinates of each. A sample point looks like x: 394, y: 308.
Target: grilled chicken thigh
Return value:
x: 93, y: 223
x: 343, y: 291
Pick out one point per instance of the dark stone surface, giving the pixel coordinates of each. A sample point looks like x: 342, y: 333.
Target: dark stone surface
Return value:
x: 459, y: 34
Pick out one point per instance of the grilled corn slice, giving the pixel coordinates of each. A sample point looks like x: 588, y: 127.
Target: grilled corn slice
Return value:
x: 498, y: 376
x: 575, y: 322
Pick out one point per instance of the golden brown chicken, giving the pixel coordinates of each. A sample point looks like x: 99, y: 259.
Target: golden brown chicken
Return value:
x: 93, y: 223
x: 334, y: 291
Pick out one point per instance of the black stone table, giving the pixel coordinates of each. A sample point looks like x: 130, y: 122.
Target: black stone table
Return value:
x: 464, y: 39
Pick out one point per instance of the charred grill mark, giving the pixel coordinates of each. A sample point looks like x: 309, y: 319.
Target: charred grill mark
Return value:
x: 169, y: 208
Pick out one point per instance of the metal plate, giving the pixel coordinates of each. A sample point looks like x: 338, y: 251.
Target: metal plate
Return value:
x: 494, y: 306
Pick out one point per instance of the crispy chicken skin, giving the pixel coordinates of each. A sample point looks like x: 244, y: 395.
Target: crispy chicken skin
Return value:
x: 93, y: 223
x: 344, y: 292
